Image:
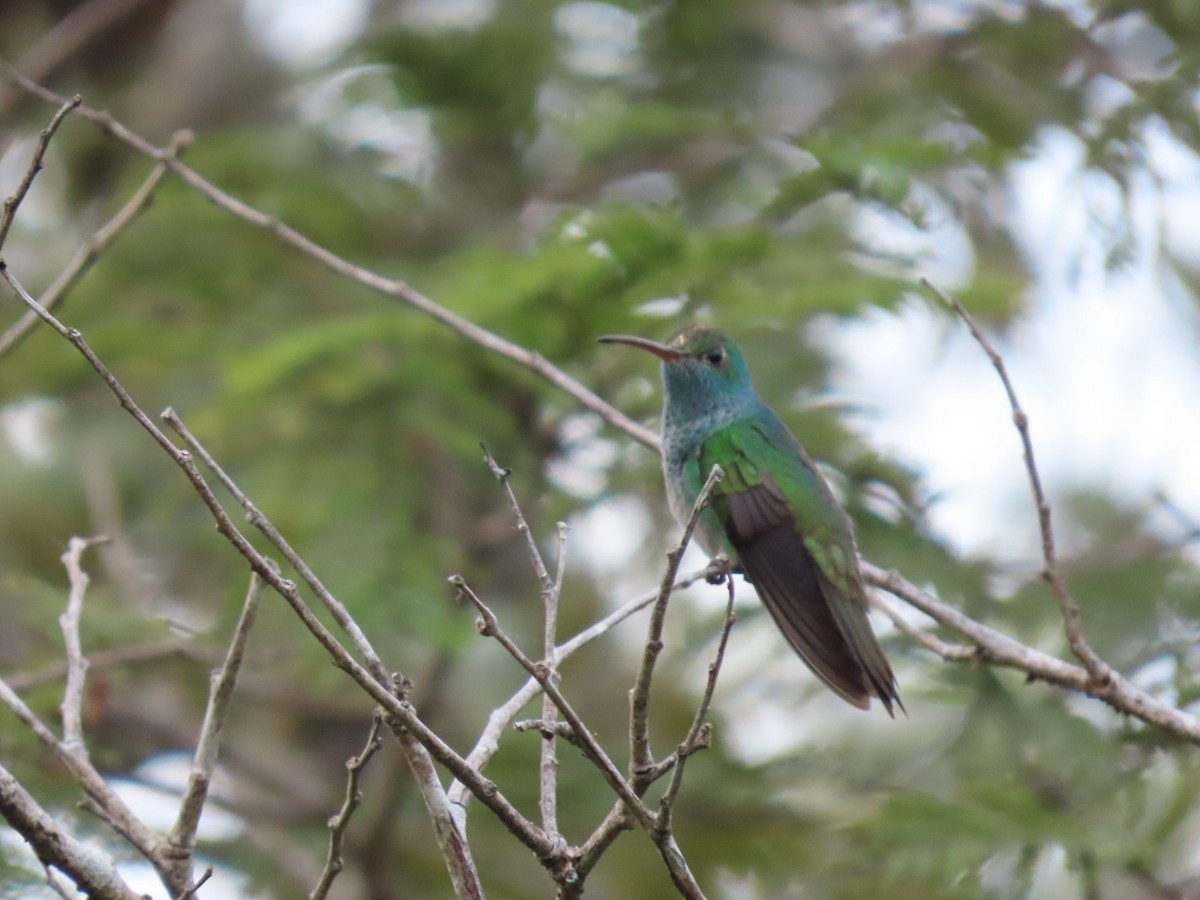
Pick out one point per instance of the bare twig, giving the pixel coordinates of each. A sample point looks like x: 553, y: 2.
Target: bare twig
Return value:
x: 35, y: 165
x: 691, y: 739
x: 631, y: 801
x: 102, y: 800
x: 182, y: 838
x: 103, y: 659
x: 389, y: 287
x: 77, y: 664
x: 488, y: 741
x: 415, y: 737
x: 338, y: 824
x: 490, y: 627
x: 642, y: 768
x: 548, y: 768
x: 551, y: 587
x: 535, y: 556
x: 997, y: 649
x: 448, y: 829
x: 92, y: 871
x: 86, y: 255
x: 639, y: 698
x: 931, y: 642
x: 255, y: 516
x: 1097, y: 668
x: 70, y: 34
x: 194, y: 889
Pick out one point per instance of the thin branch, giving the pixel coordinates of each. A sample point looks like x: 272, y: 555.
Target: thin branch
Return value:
x: 548, y: 764
x: 194, y: 890
x: 255, y: 516
x: 643, y: 769
x: 489, y: 626
x: 997, y: 649
x: 86, y: 255
x: 664, y: 840
x: 93, y: 872
x: 389, y: 287
x: 204, y: 762
x: 502, y: 474
x: 551, y: 588
x: 690, y: 742
x: 410, y: 731
x: 603, y: 837
x: 488, y: 742
x: 418, y: 746
x: 338, y: 824
x: 1097, y: 668
x: 700, y: 740
x: 69, y: 35
x: 35, y: 165
x: 104, y: 659
x: 639, y: 698
x: 101, y: 798
x: 629, y: 792
x: 931, y: 642
x: 77, y: 664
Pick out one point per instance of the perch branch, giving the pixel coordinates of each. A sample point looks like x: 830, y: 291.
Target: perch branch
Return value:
x: 639, y: 698
x: 692, y: 738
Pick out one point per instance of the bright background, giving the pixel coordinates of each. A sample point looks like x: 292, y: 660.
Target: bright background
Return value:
x: 560, y: 170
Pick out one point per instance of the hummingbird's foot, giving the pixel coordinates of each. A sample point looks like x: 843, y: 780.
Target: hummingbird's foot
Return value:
x: 718, y: 570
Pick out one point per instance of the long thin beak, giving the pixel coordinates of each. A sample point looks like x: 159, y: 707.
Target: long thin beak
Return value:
x: 662, y: 351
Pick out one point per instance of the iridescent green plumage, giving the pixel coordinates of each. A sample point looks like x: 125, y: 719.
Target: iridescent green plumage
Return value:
x: 773, y: 514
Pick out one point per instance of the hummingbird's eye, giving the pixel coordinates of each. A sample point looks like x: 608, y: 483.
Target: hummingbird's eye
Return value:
x: 715, y: 356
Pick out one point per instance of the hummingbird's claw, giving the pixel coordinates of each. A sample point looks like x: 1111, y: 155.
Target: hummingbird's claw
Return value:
x: 718, y: 570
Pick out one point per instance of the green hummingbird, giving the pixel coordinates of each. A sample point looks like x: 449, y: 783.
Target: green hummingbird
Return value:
x: 773, y: 516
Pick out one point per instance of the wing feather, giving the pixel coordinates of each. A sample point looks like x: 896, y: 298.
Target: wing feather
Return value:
x: 817, y: 599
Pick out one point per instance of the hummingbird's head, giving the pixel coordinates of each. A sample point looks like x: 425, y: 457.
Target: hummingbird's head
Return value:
x: 704, y: 371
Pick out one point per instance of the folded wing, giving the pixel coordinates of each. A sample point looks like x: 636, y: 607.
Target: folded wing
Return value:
x: 805, y: 573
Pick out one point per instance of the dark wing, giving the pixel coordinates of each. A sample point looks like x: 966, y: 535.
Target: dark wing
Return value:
x: 822, y: 614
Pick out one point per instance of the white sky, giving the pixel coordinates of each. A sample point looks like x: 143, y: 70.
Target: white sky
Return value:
x: 1105, y: 363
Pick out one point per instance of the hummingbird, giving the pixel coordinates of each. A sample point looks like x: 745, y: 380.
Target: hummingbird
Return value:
x: 773, y: 516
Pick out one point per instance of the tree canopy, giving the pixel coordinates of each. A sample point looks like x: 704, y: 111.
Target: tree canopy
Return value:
x: 401, y: 227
